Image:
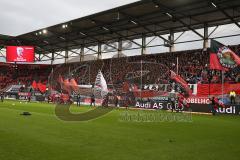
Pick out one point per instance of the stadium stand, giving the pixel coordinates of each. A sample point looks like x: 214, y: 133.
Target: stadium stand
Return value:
x: 193, y: 67
x: 22, y: 74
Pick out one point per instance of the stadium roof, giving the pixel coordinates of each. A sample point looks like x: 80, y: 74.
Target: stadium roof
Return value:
x: 4, y: 38
x: 129, y: 22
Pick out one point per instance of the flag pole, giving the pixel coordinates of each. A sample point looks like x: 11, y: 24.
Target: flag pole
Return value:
x: 222, y: 84
x: 177, y: 65
x: 50, y: 80
x: 141, y: 80
x: 209, y: 76
x: 89, y: 75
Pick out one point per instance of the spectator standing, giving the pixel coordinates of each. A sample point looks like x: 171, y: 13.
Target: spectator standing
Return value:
x: 213, y: 106
x: 78, y: 100
x: 117, y: 101
x: 2, y: 96
x: 172, y: 97
x: 233, y: 97
x: 92, y: 100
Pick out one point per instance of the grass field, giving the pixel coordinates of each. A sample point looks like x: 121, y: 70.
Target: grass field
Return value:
x: 43, y: 137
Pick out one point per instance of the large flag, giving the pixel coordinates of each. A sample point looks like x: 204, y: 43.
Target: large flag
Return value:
x: 101, y: 85
x: 222, y: 57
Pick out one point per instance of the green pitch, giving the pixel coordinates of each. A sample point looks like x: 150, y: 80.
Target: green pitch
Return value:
x: 43, y: 137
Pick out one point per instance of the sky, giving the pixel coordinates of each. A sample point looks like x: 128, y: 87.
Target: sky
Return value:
x: 23, y: 16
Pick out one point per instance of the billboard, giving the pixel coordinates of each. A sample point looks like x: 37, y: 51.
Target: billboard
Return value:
x: 202, y: 108
x: 20, y: 54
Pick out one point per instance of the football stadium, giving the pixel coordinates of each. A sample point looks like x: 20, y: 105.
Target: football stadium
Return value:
x: 122, y: 80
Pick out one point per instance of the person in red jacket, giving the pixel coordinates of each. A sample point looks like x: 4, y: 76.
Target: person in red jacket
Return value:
x: 182, y: 102
x: 215, y: 105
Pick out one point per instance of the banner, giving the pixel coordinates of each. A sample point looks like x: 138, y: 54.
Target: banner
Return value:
x: 25, y: 94
x: 202, y: 108
x: 216, y: 89
x: 20, y: 54
x: 198, y: 90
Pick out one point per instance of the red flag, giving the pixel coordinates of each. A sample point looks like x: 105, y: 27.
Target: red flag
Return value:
x: 34, y: 85
x: 74, y: 85
x: 182, y: 82
x: 66, y: 85
x: 126, y: 86
x: 42, y: 87
x: 222, y: 57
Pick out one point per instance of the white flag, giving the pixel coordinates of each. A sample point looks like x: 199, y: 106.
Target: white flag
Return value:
x: 100, y: 85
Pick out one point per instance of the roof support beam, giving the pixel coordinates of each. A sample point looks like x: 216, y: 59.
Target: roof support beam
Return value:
x: 213, y: 31
x: 58, y: 54
x: 143, y: 50
x: 151, y: 40
x: 91, y: 49
x: 189, y: 27
x: 179, y: 36
x: 171, y: 39
x: 73, y: 52
x: 52, y: 59
x: 206, y: 36
x: 66, y: 56
x: 120, y: 47
x: 99, y: 51
x: 82, y: 54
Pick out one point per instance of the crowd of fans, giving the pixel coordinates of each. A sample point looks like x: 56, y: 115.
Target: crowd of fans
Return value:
x: 12, y: 74
x: 193, y: 66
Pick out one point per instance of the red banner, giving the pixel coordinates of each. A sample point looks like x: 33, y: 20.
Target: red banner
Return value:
x: 20, y: 54
x: 216, y: 89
